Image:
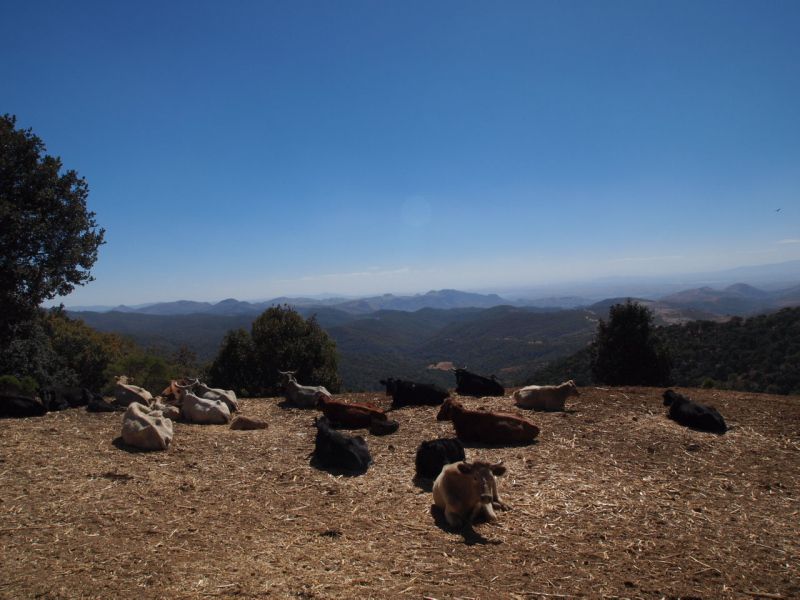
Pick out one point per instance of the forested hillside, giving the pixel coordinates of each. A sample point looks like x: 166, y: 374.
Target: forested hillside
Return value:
x: 506, y: 340
x: 759, y: 354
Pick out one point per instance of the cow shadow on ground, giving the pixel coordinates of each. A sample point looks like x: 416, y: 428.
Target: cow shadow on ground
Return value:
x: 287, y: 404
x: 484, y: 446
x: 471, y: 537
x: 423, y: 483
x: 336, y: 471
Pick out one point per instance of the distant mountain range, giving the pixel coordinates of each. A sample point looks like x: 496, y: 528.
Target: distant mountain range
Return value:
x: 692, y: 304
x: 443, y: 299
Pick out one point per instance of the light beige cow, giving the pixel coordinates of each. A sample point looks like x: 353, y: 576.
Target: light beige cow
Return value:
x: 126, y: 393
x: 466, y: 491
x: 227, y: 396
x: 545, y: 397
x: 204, y: 411
x: 145, y: 428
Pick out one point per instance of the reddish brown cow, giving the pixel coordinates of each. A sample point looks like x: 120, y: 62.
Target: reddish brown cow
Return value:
x: 349, y: 416
x: 485, y: 427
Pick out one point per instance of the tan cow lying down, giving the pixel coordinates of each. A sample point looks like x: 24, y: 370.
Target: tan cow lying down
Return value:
x: 204, y: 411
x: 241, y: 423
x: 545, y: 397
x: 145, y: 428
x: 125, y: 393
x: 467, y: 491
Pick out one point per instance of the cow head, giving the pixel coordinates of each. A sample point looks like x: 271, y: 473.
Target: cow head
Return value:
x: 446, y: 412
x: 482, y: 474
x: 573, y: 389
x: 391, y: 385
x: 672, y: 397
x: 287, y: 377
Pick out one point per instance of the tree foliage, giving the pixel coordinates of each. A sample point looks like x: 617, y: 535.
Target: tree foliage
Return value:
x: 234, y: 366
x: 759, y: 354
x: 626, y: 351
x: 280, y: 339
x: 48, y: 238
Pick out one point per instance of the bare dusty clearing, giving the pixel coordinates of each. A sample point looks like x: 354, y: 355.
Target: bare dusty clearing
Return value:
x: 614, y: 500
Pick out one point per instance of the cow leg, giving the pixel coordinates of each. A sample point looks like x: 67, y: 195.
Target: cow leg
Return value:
x: 454, y: 519
x: 496, y: 502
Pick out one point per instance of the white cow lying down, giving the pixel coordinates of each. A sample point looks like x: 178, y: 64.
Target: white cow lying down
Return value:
x: 145, y: 428
x: 545, y: 397
x: 204, y: 411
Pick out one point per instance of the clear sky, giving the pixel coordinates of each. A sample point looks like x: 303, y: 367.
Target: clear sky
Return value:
x: 251, y: 149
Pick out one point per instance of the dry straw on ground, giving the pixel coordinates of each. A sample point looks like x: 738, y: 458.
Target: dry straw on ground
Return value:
x: 614, y: 501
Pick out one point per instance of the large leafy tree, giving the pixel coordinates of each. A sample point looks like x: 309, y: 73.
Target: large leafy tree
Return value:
x: 626, y: 351
x: 48, y: 237
x: 280, y: 339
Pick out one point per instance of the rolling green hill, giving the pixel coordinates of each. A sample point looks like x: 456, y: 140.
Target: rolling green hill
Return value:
x: 759, y: 354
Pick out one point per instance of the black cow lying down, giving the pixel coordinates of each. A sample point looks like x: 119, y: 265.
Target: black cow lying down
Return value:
x: 410, y: 393
x: 99, y: 404
x: 691, y: 414
x: 335, y: 450
x: 435, y: 454
x: 16, y: 406
x: 471, y: 384
x: 60, y: 398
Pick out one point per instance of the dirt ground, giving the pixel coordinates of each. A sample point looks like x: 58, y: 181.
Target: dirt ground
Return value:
x: 614, y: 501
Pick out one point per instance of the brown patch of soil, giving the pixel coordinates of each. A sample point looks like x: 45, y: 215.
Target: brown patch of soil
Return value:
x: 614, y: 500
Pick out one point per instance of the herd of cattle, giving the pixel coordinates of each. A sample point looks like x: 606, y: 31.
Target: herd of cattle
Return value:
x: 465, y: 491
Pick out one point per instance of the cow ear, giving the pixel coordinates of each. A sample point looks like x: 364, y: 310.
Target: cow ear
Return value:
x: 498, y: 469
x: 465, y: 468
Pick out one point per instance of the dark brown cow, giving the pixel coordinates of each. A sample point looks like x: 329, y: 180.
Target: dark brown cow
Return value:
x: 485, y: 427
x: 349, y: 416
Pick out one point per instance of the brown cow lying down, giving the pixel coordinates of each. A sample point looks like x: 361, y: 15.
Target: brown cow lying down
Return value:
x: 145, y: 428
x: 349, y: 416
x: 485, y: 427
x: 545, y: 397
x: 204, y: 411
x: 467, y: 491
x: 125, y: 393
x: 248, y: 424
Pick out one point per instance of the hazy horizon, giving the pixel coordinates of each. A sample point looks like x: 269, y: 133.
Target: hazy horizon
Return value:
x: 269, y: 149
x: 788, y: 275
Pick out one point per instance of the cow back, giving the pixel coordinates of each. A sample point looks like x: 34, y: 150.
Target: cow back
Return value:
x: 432, y: 455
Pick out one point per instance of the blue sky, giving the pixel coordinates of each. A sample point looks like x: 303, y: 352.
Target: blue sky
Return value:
x: 253, y: 149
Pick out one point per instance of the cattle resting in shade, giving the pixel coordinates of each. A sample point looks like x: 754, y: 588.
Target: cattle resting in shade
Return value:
x: 545, y: 397
x: 691, y: 414
x: 411, y: 393
x: 66, y: 397
x: 468, y: 491
x: 435, y: 454
x: 99, y: 404
x: 335, y: 450
x: 17, y: 406
x: 484, y: 427
x: 471, y: 384
x: 146, y: 429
